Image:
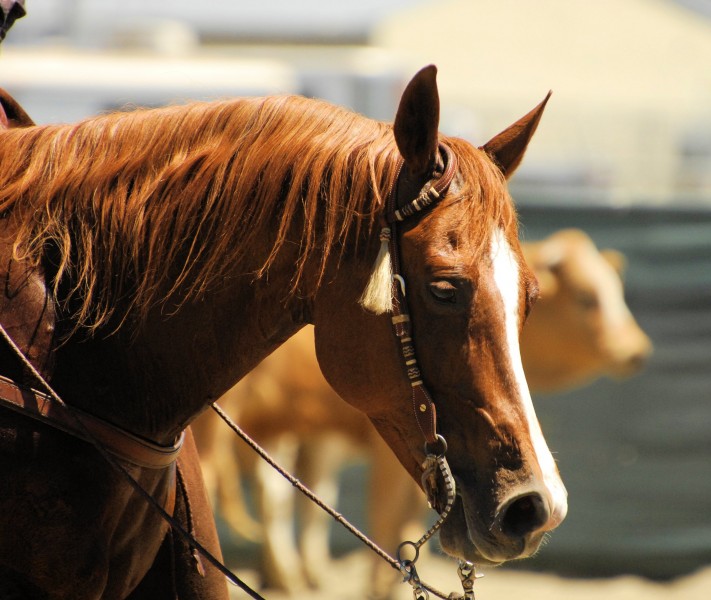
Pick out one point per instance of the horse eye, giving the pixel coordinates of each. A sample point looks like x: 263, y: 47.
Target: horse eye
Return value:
x: 444, y: 291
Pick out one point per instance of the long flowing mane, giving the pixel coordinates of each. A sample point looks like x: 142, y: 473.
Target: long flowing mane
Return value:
x: 125, y: 197
x: 127, y: 209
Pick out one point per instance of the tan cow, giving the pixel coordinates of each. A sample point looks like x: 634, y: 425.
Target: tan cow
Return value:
x: 579, y: 330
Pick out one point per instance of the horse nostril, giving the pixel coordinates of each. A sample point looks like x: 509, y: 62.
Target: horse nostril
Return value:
x: 524, y: 515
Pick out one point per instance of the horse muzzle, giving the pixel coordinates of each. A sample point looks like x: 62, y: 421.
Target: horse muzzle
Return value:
x: 513, y: 529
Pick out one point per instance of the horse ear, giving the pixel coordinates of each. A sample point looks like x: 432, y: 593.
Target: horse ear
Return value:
x: 508, y: 147
x: 417, y: 122
x: 11, y: 113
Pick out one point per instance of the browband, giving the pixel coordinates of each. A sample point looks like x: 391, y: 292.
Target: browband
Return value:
x: 430, y: 193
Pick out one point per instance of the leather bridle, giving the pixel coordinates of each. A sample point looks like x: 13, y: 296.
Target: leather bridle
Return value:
x: 422, y: 404
x: 437, y: 480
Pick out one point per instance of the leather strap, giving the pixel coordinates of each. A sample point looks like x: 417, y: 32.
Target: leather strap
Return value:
x: 430, y: 193
x: 122, y: 444
x: 422, y: 404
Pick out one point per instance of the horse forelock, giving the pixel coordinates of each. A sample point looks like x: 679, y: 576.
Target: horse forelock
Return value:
x: 123, y: 198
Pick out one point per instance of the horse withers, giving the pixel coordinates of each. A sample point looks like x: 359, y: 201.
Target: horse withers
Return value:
x: 180, y: 246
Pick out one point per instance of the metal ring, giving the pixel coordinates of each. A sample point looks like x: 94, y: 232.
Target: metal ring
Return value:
x: 429, y: 451
x: 408, y: 562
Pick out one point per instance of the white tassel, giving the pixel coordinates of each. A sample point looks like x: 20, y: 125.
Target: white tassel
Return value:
x: 378, y: 296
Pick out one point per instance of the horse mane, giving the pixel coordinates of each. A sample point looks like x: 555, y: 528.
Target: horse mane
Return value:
x: 483, y: 194
x: 131, y: 209
x: 125, y: 197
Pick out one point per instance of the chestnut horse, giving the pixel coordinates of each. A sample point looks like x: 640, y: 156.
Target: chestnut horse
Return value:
x: 180, y: 246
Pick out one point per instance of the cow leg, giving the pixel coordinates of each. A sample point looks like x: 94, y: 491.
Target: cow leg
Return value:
x: 231, y: 498
x: 221, y: 471
x: 281, y: 563
x: 320, y: 460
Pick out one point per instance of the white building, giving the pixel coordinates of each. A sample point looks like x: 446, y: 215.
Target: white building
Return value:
x: 629, y: 121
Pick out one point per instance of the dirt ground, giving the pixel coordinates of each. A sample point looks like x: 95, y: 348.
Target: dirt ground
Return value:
x: 348, y: 578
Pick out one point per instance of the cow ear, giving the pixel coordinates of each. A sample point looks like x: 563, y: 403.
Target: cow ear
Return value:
x: 545, y: 254
x: 547, y: 282
x: 417, y: 122
x: 508, y: 147
x: 617, y: 260
x: 544, y: 258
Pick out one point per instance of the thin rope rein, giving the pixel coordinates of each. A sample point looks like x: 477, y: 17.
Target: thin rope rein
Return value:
x: 394, y: 563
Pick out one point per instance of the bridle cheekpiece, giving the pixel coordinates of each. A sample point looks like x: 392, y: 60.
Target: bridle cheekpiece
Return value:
x: 437, y: 480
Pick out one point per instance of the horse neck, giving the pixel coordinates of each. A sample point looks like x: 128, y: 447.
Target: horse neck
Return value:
x: 153, y: 381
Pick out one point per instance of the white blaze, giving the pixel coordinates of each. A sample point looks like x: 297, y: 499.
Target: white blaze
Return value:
x: 506, y: 276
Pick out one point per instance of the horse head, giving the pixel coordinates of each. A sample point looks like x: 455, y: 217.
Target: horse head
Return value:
x: 468, y: 290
